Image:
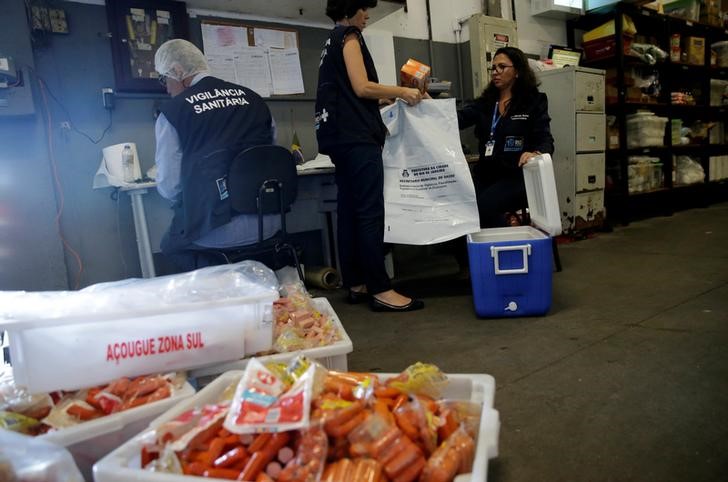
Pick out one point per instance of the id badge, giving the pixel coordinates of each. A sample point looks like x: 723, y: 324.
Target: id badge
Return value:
x: 489, y: 148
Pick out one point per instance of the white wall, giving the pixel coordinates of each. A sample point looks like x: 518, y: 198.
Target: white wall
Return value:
x: 534, y: 33
x: 412, y: 24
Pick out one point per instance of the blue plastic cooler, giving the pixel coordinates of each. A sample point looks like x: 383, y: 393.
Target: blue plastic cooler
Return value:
x: 511, y: 268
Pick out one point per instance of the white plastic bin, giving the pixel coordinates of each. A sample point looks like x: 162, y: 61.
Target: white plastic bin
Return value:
x: 76, y: 352
x: 331, y: 356
x: 645, y: 129
x: 123, y: 464
x: 90, y: 441
x: 645, y: 176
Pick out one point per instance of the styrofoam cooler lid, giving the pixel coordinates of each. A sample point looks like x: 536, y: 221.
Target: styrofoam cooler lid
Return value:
x: 543, y: 202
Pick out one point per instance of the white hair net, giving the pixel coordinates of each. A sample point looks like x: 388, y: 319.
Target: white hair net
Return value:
x: 179, y: 59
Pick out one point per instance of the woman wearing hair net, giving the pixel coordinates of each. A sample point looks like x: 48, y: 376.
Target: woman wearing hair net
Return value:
x: 349, y: 128
x: 200, y: 130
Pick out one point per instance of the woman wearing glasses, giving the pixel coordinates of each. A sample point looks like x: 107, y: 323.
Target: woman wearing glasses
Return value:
x: 512, y: 125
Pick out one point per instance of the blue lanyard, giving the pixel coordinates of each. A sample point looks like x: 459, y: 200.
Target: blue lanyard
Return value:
x: 494, y: 121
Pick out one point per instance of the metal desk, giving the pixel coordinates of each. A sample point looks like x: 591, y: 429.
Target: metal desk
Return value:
x: 136, y: 193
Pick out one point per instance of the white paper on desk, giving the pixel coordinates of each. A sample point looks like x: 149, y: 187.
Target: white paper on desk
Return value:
x: 322, y: 161
x: 285, y: 67
x: 222, y: 67
x: 252, y: 69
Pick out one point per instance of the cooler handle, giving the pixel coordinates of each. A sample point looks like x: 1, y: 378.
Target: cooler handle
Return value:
x: 525, y: 249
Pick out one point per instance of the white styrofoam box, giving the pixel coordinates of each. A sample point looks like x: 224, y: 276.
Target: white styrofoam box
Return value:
x: 123, y: 464
x: 332, y: 356
x: 543, y: 200
x: 589, y: 172
x: 590, y: 132
x: 76, y: 352
x: 90, y: 441
x: 589, y: 91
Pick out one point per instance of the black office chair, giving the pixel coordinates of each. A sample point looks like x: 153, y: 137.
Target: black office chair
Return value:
x: 262, y: 180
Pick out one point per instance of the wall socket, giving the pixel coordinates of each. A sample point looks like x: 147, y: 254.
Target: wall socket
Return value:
x: 107, y: 97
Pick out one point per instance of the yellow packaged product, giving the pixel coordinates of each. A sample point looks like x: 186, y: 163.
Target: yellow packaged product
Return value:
x: 607, y: 29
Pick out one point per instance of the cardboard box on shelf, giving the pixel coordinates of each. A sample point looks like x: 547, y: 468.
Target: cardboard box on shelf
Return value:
x: 605, y: 47
x: 611, y: 94
x: 415, y: 74
x: 695, y: 47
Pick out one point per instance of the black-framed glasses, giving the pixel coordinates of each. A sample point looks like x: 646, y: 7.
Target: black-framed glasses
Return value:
x: 500, y: 67
x: 162, y: 80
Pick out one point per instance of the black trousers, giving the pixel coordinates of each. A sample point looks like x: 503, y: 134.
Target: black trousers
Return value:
x: 499, y: 196
x: 186, y: 256
x: 360, y: 229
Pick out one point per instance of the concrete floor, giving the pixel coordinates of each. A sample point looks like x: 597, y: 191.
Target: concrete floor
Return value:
x: 625, y: 379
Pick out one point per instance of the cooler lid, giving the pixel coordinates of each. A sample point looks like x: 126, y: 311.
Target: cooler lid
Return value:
x: 543, y: 202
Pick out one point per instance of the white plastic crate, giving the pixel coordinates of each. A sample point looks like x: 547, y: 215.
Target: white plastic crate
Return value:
x: 90, y: 441
x: 43, y: 350
x: 123, y: 464
x: 331, y: 356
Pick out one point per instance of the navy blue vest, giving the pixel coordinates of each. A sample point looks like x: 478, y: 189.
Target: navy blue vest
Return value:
x: 342, y: 117
x: 215, y: 121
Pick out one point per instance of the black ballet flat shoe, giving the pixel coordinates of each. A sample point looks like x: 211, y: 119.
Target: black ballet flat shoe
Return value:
x: 356, y: 297
x: 378, y: 305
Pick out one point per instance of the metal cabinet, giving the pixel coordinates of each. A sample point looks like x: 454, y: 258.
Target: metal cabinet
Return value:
x: 576, y: 107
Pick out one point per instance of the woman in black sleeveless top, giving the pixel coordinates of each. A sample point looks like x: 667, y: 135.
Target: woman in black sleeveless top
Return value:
x: 350, y: 130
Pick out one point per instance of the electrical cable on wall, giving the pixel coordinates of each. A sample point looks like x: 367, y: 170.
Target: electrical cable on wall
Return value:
x: 68, y: 116
x: 71, y: 125
x: 59, y: 187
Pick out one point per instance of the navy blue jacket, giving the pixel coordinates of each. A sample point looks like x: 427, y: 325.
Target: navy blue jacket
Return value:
x: 215, y: 121
x: 525, y: 127
x: 342, y: 117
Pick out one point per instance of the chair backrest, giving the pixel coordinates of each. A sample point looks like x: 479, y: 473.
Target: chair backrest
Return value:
x: 259, y: 165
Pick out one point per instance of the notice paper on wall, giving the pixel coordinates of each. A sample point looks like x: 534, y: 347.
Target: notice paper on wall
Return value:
x: 285, y: 66
x: 264, y: 60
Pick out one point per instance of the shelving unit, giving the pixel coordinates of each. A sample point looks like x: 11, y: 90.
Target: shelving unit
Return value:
x: 674, y: 76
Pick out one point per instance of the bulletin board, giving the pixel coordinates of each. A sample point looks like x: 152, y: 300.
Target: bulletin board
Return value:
x: 138, y: 28
x: 263, y: 58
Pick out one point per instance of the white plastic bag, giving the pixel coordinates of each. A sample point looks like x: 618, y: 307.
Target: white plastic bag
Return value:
x: 428, y: 190
x: 27, y: 458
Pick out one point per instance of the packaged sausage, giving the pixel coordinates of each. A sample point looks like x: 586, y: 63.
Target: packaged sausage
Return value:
x: 421, y: 379
x: 266, y: 402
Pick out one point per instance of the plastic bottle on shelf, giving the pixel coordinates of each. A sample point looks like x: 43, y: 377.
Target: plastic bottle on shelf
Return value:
x: 127, y: 162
